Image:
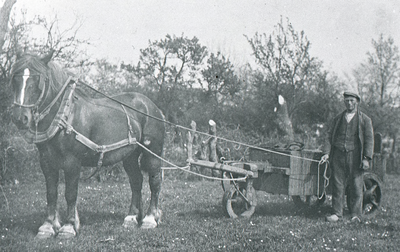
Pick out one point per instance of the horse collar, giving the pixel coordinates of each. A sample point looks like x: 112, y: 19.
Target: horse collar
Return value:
x: 33, y: 136
x: 46, y: 111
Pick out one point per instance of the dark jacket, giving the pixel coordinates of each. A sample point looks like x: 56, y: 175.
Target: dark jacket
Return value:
x: 365, y: 135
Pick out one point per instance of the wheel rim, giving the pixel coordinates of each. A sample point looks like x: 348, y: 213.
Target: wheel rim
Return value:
x: 226, y: 184
x: 234, y: 205
x: 371, y: 196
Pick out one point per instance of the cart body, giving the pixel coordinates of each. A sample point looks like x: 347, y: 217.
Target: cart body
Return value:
x: 296, y: 173
x: 288, y: 172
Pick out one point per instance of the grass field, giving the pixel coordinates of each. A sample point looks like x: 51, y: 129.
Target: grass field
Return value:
x: 193, y: 221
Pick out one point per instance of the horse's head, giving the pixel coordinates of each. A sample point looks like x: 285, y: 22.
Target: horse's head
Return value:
x: 28, y: 81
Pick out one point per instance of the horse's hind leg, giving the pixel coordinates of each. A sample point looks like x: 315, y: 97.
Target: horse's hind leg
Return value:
x: 131, y: 166
x: 152, y: 165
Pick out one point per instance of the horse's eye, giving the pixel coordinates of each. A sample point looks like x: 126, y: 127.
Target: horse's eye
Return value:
x: 17, y: 78
x: 16, y: 82
x: 35, y: 78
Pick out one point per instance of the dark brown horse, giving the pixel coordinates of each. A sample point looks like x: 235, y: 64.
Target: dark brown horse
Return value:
x: 71, y: 130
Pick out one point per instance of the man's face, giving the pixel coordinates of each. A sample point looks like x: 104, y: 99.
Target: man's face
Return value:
x: 351, y: 103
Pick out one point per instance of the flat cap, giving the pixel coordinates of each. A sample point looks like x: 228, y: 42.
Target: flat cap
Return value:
x: 353, y: 94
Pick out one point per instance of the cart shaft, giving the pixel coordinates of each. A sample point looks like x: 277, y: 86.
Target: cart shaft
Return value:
x: 223, y: 167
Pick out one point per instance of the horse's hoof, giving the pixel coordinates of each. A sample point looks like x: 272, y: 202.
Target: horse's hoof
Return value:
x: 149, y: 222
x: 130, y: 221
x: 66, y: 232
x: 44, y: 235
x: 45, y: 231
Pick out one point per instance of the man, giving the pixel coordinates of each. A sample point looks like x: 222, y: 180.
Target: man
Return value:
x: 349, y: 148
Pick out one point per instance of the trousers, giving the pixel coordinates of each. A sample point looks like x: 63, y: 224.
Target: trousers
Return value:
x: 347, y: 174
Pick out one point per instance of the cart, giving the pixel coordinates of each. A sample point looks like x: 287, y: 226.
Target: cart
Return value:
x: 291, y: 172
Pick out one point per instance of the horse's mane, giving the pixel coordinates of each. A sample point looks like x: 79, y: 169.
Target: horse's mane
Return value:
x: 52, y: 71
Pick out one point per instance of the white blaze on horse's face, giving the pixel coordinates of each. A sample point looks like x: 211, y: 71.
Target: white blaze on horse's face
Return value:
x: 25, y: 78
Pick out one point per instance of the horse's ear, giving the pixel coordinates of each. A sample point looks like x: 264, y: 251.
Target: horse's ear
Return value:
x: 46, y: 59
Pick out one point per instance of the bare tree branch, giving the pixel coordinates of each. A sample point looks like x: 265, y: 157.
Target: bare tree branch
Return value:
x: 5, y: 12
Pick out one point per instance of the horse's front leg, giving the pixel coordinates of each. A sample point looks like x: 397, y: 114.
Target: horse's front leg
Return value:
x: 71, y: 168
x: 153, y: 215
x: 51, y: 173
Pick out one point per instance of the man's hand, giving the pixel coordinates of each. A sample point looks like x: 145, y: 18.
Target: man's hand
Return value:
x: 365, y: 164
x: 324, y: 158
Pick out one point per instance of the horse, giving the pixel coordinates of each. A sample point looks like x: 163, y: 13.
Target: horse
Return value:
x: 72, y: 129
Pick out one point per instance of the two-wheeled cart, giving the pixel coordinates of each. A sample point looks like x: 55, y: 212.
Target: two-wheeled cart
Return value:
x: 297, y: 173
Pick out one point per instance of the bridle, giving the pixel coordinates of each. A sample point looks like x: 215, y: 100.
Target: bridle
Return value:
x: 40, y: 115
x: 41, y: 86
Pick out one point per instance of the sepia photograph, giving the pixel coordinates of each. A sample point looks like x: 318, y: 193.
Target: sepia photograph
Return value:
x: 188, y: 125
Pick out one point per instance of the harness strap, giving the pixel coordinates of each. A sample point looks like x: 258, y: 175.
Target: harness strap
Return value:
x: 102, y: 148
x: 130, y: 138
x: 33, y: 136
x: 46, y: 111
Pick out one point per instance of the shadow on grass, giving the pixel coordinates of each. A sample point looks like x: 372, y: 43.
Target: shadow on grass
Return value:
x: 267, y: 209
x: 33, y: 221
x: 214, y: 213
x: 89, y: 218
x: 290, y: 209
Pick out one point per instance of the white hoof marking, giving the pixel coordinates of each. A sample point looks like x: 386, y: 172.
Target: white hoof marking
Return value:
x: 45, y: 231
x: 149, y: 222
x: 130, y: 221
x: 66, y: 232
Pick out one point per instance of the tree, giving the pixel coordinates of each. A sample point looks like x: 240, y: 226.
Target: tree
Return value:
x: 111, y: 78
x: 168, y: 68
x: 68, y: 48
x: 288, y: 70
x: 221, y: 83
x: 378, y: 81
x: 5, y: 12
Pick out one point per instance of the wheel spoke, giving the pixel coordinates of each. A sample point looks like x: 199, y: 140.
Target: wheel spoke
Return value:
x: 371, y: 194
x: 371, y: 190
x: 373, y: 202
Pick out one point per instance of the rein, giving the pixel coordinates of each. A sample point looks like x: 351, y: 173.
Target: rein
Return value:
x: 32, y: 135
x: 195, y: 131
x: 63, y: 121
x: 39, y: 116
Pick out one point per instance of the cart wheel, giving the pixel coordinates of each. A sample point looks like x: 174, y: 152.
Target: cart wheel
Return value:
x: 304, y: 201
x: 226, y: 184
x: 372, y: 194
x: 234, y: 205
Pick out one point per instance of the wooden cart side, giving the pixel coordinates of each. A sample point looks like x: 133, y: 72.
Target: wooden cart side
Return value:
x: 303, y: 180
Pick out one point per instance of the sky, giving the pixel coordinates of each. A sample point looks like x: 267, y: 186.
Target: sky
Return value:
x: 340, y: 31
